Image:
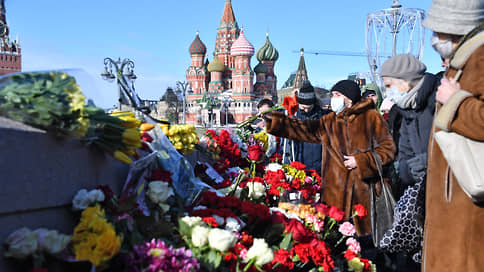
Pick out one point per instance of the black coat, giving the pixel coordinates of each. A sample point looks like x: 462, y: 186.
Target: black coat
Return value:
x: 415, y: 127
x: 309, y: 153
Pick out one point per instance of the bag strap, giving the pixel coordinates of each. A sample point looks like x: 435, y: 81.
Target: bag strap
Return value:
x: 379, y: 166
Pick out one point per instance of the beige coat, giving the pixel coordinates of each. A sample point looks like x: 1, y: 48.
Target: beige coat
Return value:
x: 454, y: 225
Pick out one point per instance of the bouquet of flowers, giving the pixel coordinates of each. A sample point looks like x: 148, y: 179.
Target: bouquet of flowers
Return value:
x: 54, y: 102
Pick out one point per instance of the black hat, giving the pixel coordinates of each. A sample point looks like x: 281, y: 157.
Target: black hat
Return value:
x: 368, y: 92
x: 306, y: 95
x: 349, y: 89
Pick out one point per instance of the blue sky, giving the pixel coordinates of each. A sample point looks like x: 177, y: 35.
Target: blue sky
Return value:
x: 156, y: 35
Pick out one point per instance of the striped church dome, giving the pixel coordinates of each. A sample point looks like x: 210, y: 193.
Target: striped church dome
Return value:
x: 267, y: 52
x: 242, y: 47
x: 197, y: 47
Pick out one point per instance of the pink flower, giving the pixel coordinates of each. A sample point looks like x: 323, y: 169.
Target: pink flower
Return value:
x: 243, y: 254
x: 353, y: 245
x: 308, y: 180
x: 347, y: 229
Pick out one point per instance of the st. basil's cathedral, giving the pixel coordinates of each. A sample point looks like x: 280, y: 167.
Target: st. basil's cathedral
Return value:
x: 229, y: 76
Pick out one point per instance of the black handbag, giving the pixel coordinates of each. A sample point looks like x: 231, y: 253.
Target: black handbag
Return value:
x: 406, y: 234
x: 381, y: 206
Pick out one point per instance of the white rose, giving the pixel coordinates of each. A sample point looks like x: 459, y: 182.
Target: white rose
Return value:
x: 233, y: 224
x: 159, y: 191
x: 274, y: 167
x: 200, y: 236
x: 256, y: 190
x: 21, y: 243
x: 220, y: 239
x: 260, y: 251
x: 96, y: 196
x: 81, y: 200
x: 192, y: 221
x: 51, y: 241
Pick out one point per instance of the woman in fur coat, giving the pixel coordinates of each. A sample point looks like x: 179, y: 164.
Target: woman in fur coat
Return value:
x: 348, y: 136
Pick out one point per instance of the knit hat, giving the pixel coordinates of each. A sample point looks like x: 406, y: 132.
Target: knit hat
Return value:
x: 404, y: 66
x: 456, y: 17
x: 349, y: 89
x: 306, y: 95
x: 368, y: 92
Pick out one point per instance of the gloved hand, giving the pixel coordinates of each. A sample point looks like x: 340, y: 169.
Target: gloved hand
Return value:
x: 386, y: 105
x: 418, y: 166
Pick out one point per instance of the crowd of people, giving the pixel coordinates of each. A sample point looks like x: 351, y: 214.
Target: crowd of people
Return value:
x: 360, y: 131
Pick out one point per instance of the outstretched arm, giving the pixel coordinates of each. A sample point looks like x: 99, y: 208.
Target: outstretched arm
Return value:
x: 280, y: 125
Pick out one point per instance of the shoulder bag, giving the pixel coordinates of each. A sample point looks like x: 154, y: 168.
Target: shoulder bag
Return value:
x: 465, y: 158
x: 381, y: 206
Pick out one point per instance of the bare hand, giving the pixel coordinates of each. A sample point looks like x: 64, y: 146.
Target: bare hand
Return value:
x: 349, y: 162
x: 446, y: 89
x: 267, y: 116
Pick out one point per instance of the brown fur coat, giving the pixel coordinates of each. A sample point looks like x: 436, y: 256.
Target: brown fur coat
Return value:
x: 454, y: 225
x: 353, y: 132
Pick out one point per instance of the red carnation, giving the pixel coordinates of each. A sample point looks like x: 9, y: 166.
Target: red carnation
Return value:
x: 303, y: 251
x: 211, y: 221
x: 299, y: 232
x: 322, y: 208
x: 360, y: 210
x: 298, y: 165
x: 276, y: 157
x: 255, y: 152
x: 283, y: 257
x: 335, y: 213
x: 350, y: 254
x: 367, y: 264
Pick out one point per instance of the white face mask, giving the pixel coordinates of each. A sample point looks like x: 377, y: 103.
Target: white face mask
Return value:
x: 444, y: 48
x: 394, y: 94
x: 338, y: 104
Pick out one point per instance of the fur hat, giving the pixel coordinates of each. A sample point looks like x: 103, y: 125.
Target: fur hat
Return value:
x: 306, y: 95
x: 456, y: 17
x: 403, y: 66
x: 349, y: 89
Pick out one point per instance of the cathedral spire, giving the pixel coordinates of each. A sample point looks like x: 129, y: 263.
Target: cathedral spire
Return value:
x: 3, y: 18
x: 301, y: 73
x: 228, y: 17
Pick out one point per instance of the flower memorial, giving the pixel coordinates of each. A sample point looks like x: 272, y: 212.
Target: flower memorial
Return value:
x: 242, y: 210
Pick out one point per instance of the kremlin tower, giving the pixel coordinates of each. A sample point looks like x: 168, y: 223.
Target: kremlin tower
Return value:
x: 10, y: 53
x: 229, y: 76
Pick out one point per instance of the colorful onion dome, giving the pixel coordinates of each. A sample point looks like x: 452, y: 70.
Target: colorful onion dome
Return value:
x: 267, y: 52
x: 197, y: 47
x: 242, y: 47
x: 260, y: 68
x: 216, y: 65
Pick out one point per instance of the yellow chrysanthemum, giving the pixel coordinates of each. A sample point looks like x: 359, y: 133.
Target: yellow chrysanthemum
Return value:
x: 94, y: 238
x: 355, y: 265
x: 262, y: 137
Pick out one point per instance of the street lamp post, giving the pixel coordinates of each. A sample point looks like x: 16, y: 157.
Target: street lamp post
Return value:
x: 226, y: 100
x: 182, y: 87
x: 123, y: 71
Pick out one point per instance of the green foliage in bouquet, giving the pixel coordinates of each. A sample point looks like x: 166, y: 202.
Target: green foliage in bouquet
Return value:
x: 52, y: 101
